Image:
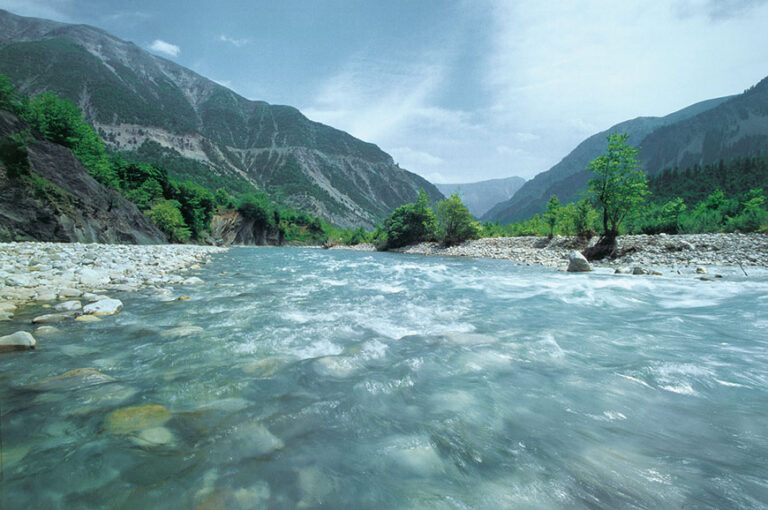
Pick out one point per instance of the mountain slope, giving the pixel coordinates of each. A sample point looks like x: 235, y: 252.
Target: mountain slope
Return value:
x: 59, y: 201
x: 133, y: 97
x: 479, y: 197
x: 567, y: 178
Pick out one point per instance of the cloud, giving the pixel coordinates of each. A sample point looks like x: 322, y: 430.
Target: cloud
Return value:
x: 48, y: 9
x: 411, y: 158
x: 238, y: 43
x: 161, y: 46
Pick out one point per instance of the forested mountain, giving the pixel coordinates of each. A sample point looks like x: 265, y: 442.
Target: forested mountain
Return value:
x: 150, y: 107
x: 567, y: 178
x: 479, y: 197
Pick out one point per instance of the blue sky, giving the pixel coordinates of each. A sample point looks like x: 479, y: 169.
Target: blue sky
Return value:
x: 455, y: 90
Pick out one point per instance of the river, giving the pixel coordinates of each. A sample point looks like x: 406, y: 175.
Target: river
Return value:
x: 308, y: 378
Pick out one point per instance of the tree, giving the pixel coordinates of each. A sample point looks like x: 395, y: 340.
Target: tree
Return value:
x: 9, y: 99
x: 167, y: 216
x: 618, y: 188
x: 553, y: 213
x: 410, y: 223
x: 456, y: 222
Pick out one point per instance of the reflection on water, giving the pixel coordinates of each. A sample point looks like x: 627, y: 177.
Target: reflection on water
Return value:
x: 305, y: 378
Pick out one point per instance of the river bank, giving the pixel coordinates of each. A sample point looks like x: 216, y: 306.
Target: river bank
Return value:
x: 684, y: 251
x: 69, y: 276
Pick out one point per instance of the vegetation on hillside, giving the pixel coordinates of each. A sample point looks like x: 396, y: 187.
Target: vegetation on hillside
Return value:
x: 151, y: 177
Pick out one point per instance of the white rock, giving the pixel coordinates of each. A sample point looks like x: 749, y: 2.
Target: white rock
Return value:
x: 577, y: 263
x: 68, y: 306
x: 20, y: 340
x: 93, y: 277
x: 107, y: 306
x: 50, y: 317
x: 701, y: 270
x: 192, y: 280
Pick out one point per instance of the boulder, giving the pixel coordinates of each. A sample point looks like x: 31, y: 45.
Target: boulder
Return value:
x: 74, y: 379
x: 193, y: 280
x: 87, y: 318
x: 68, y: 306
x: 19, y: 341
x: 623, y: 270
x: 134, y: 419
x: 577, y: 263
x: 701, y: 270
x: 103, y: 307
x: 46, y: 330
x: 182, y: 331
x: 640, y: 270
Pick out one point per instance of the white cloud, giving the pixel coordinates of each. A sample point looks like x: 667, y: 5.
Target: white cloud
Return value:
x: 48, y: 9
x: 411, y: 158
x: 167, y: 48
x: 238, y: 43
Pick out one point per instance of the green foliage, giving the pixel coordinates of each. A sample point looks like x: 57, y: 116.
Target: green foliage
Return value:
x: 61, y: 122
x: 409, y: 224
x: 14, y: 154
x: 223, y: 200
x: 255, y: 208
x: 619, y: 187
x: 9, y: 99
x: 553, y: 213
x: 166, y: 215
x: 456, y: 223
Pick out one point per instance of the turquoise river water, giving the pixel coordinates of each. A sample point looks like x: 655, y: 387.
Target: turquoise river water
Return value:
x: 300, y: 378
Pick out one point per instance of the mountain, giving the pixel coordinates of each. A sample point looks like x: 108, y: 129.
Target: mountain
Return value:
x: 569, y: 177
x: 139, y: 102
x: 479, y: 197
x: 56, y: 199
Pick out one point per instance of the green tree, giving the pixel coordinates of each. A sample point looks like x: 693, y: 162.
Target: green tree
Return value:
x: 553, y: 213
x: 618, y: 188
x: 455, y: 221
x: 168, y: 218
x: 410, y: 223
x: 9, y: 99
x: 14, y: 155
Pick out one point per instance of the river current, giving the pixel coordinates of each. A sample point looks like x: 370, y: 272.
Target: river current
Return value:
x: 301, y: 378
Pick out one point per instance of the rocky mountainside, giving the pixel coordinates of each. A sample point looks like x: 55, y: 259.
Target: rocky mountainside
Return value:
x: 58, y: 201
x: 480, y: 196
x: 569, y: 177
x: 134, y: 98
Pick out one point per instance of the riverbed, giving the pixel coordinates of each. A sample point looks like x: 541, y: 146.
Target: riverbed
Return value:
x: 341, y: 379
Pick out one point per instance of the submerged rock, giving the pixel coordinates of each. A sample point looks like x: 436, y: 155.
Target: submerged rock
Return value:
x: 46, y: 330
x: 577, y: 263
x: 51, y: 318
x: 19, y: 341
x: 87, y: 318
x: 701, y: 270
x: 74, y: 379
x: 182, y: 331
x: 103, y: 307
x: 637, y: 270
x: 135, y: 419
x: 155, y: 436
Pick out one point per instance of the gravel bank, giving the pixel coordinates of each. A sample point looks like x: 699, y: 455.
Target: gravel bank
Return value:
x: 684, y: 251
x: 65, y: 274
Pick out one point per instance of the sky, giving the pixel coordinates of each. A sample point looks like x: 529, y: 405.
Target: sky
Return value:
x: 455, y: 90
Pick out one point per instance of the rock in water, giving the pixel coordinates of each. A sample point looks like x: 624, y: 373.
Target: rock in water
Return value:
x: 68, y: 306
x: 50, y: 317
x: 19, y: 341
x: 640, y: 270
x: 701, y: 270
x: 103, y: 307
x: 135, y: 419
x: 577, y: 263
x: 72, y: 380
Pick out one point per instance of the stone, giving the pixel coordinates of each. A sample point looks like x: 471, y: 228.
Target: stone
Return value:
x: 183, y: 298
x: 193, y: 280
x: 656, y: 273
x: 68, y: 306
x: 701, y: 270
x: 577, y: 263
x: 182, y: 331
x: 19, y: 341
x: 107, y: 306
x: 87, y: 318
x: 155, y: 436
x: 637, y: 270
x: 46, y: 330
x: 623, y: 270
x: 7, y: 307
x: 50, y: 318
x: 74, y: 379
x: 135, y: 419
x: 67, y: 292
x: 93, y: 277
x: 47, y: 295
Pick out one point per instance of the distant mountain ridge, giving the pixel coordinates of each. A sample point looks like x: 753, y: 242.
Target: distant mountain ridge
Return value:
x: 480, y: 196
x: 568, y: 177
x: 133, y: 97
